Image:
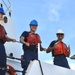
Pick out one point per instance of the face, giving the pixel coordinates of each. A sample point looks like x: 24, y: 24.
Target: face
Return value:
x: 60, y: 36
x: 5, y: 20
x: 1, y: 16
x: 33, y: 28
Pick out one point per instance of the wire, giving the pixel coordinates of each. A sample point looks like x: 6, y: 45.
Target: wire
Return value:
x: 41, y: 67
x: 8, y: 8
x: 18, y: 41
x: 18, y: 59
x: 5, y: 3
x: 9, y: 2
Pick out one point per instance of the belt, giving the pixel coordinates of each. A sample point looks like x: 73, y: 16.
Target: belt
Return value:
x: 35, y: 51
x: 61, y: 55
x: 33, y: 48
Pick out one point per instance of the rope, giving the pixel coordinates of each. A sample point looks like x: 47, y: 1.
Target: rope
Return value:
x: 41, y: 67
x: 18, y: 41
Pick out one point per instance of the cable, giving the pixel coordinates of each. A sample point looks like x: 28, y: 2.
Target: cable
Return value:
x: 41, y: 67
x: 8, y: 8
x: 5, y: 3
x: 9, y: 2
x: 18, y: 41
x: 11, y: 57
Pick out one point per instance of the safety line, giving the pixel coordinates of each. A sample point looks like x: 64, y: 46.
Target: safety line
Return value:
x: 41, y: 67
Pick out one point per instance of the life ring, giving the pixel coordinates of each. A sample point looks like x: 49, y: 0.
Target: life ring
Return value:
x: 11, y: 70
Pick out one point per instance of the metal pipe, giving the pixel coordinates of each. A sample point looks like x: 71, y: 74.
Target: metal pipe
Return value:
x: 38, y: 51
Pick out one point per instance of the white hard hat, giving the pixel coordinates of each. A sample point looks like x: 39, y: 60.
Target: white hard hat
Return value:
x: 60, y: 31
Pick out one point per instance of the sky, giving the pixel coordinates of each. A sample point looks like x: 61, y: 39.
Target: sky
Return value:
x: 51, y: 15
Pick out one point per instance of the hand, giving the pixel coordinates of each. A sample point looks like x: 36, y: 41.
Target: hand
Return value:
x: 72, y: 57
x: 68, y: 48
x: 44, y: 49
x: 27, y: 44
x: 54, y: 47
x: 13, y: 40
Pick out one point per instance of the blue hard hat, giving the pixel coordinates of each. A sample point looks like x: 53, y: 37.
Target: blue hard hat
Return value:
x: 2, y: 11
x: 34, y: 22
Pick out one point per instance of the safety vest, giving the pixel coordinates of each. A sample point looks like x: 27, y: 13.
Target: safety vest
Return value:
x: 60, y: 48
x: 2, y: 34
x: 33, y: 39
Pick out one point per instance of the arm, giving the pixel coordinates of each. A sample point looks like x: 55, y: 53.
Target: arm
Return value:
x: 39, y: 41
x: 8, y: 39
x: 51, y: 47
x: 68, y: 51
x: 22, y: 41
x: 42, y: 49
x: 23, y: 37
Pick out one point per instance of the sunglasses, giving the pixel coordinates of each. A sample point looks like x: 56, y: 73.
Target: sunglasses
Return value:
x: 59, y: 34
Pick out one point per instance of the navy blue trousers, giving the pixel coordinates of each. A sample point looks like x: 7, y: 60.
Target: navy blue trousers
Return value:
x: 28, y: 55
x: 2, y: 59
x: 61, y: 60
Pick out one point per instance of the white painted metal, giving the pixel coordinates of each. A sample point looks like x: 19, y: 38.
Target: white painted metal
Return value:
x: 15, y: 64
x: 11, y: 47
x: 7, y: 73
x: 38, y: 51
x: 48, y: 69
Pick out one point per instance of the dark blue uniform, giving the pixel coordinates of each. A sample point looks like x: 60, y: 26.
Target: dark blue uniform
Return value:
x: 60, y: 59
x: 30, y: 53
x: 2, y: 57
